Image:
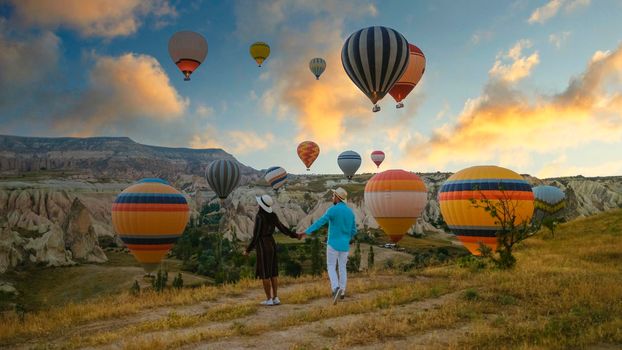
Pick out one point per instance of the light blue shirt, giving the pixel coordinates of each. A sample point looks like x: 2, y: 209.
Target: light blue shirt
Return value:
x: 341, y: 226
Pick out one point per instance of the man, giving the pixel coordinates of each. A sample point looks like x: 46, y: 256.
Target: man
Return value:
x: 341, y: 230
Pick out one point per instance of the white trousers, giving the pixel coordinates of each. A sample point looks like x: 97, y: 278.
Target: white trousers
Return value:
x: 334, y: 257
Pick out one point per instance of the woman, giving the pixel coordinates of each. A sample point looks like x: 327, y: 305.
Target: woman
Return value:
x: 267, y: 265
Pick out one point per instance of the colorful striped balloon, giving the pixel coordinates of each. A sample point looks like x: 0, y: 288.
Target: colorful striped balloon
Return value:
x: 474, y: 225
x: 349, y: 162
x: 412, y: 75
x: 549, y: 199
x: 308, y: 151
x: 149, y: 217
x: 223, y: 176
x: 377, y: 157
x: 317, y: 66
x: 396, y: 198
x: 276, y: 177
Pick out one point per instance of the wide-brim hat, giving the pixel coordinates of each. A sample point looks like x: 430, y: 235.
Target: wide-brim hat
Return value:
x: 341, y: 194
x: 265, y: 202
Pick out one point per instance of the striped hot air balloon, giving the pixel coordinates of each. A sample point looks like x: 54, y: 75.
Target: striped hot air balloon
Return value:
x: 412, y: 75
x: 223, y: 176
x: 375, y: 58
x: 149, y: 217
x: 308, y: 151
x: 395, y: 198
x: 471, y: 224
x: 276, y: 177
x: 188, y: 50
x: 377, y: 157
x: 349, y: 162
x: 317, y: 66
x: 549, y: 200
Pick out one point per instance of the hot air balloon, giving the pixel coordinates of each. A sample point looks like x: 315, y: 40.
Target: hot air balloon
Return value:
x: 412, y: 75
x: 260, y: 52
x: 317, y: 66
x: 149, y: 217
x: 188, y: 50
x: 223, y: 176
x: 375, y: 58
x: 473, y: 224
x: 276, y: 177
x: 377, y: 157
x: 549, y: 200
x: 349, y: 162
x: 395, y: 198
x: 308, y: 151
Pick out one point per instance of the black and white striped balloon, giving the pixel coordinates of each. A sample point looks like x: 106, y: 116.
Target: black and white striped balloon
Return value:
x: 223, y: 176
x: 375, y: 58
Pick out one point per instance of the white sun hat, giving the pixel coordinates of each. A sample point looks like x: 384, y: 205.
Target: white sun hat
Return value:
x: 341, y: 193
x: 265, y: 202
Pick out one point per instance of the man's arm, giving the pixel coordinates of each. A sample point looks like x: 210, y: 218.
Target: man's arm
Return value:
x: 319, y: 223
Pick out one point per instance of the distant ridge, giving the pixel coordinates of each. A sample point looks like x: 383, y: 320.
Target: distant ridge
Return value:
x: 108, y: 157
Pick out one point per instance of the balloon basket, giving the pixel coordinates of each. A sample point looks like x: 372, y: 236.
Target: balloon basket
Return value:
x: 399, y: 105
x: 375, y: 109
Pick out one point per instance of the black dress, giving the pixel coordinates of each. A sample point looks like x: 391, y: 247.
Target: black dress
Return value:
x: 267, y: 263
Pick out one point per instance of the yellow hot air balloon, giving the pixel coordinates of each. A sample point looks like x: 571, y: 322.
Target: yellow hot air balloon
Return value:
x: 149, y: 217
x: 260, y: 52
x: 395, y: 198
x: 475, y: 225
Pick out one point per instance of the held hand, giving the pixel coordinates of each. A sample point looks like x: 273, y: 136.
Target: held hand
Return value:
x: 301, y: 235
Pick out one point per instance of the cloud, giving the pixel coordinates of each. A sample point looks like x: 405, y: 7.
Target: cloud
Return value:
x: 122, y: 91
x: 238, y: 142
x: 558, y: 39
x: 92, y: 18
x: 503, y: 122
x: 560, y: 167
x: 481, y: 36
x: 552, y: 8
x: 519, y: 67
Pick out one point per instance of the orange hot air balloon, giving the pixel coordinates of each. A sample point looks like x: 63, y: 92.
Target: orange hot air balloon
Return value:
x: 408, y: 81
x: 395, y: 198
x: 308, y: 151
x: 475, y: 225
x: 149, y: 217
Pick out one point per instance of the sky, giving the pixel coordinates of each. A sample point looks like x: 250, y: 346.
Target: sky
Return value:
x: 531, y: 85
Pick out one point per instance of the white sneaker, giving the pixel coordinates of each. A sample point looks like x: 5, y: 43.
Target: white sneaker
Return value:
x: 276, y: 301
x: 268, y: 302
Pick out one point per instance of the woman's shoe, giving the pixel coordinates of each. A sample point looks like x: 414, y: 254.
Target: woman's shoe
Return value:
x: 268, y: 302
x: 276, y: 301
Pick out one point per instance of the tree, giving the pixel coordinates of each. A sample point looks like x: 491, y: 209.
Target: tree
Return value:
x: 551, y: 224
x: 135, y: 290
x: 511, y: 228
x: 159, y: 282
x: 354, y: 262
x: 370, y: 258
x: 178, y: 281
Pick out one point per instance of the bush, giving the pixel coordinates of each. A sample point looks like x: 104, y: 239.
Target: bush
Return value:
x: 354, y: 262
x: 135, y: 290
x: 471, y: 262
x: 370, y: 258
x: 160, y: 280
x: 470, y: 294
x: 178, y: 282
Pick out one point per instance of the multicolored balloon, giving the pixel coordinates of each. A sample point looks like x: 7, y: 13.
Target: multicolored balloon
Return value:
x: 317, y: 66
x: 473, y: 224
x: 549, y: 199
x: 276, y: 177
x: 188, y: 50
x: 149, y: 217
x: 260, y: 52
x: 375, y: 58
x: 412, y: 75
x: 396, y: 198
x: 308, y: 151
x: 377, y: 157
x: 349, y: 162
x: 223, y: 176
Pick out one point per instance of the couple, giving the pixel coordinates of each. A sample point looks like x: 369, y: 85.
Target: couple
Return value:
x: 341, y: 230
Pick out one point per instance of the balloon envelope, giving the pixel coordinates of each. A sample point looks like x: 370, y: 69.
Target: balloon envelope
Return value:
x: 473, y: 225
x: 188, y: 50
x: 395, y: 198
x: 412, y: 75
x: 223, y: 176
x: 349, y: 162
x: 260, y: 52
x: 276, y: 177
x: 149, y: 217
x: 308, y: 151
x: 377, y: 157
x: 549, y: 199
x: 317, y: 66
x: 375, y: 58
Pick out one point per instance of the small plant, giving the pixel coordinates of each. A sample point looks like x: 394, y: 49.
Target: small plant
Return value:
x: 135, y: 289
x: 160, y: 280
x: 470, y: 294
x: 370, y: 258
x: 354, y: 263
x: 178, y: 281
x: 20, y: 310
x: 551, y: 224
